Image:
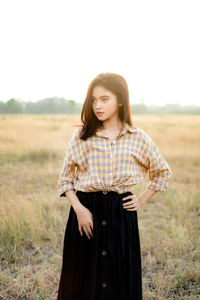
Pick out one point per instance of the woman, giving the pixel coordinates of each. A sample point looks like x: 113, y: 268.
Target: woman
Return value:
x: 104, y: 159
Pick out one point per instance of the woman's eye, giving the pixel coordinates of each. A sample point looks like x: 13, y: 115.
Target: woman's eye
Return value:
x: 104, y: 99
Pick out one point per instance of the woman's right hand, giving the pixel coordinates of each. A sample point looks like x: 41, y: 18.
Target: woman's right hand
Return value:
x: 85, y: 221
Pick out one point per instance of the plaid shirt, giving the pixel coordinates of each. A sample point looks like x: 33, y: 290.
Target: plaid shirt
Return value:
x: 99, y: 163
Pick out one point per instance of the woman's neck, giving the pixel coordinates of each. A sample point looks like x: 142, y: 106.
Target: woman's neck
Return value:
x: 112, y: 127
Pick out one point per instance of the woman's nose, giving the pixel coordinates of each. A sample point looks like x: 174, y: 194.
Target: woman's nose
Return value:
x: 98, y: 104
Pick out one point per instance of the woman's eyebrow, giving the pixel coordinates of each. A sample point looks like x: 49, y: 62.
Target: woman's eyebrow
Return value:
x: 101, y: 96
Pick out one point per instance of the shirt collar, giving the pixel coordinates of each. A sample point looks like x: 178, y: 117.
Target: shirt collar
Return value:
x: 124, y: 130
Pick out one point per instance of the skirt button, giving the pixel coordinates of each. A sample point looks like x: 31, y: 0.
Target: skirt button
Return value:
x: 103, y: 222
x: 105, y: 192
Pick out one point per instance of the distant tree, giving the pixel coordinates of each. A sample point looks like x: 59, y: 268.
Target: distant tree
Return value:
x: 139, y: 108
x: 2, y: 107
x: 56, y: 105
x: 13, y: 106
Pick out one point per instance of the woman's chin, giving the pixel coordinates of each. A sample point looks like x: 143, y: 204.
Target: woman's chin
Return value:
x: 101, y: 117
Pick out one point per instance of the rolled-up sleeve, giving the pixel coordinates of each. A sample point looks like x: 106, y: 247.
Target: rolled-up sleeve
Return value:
x: 67, y: 175
x: 159, y: 170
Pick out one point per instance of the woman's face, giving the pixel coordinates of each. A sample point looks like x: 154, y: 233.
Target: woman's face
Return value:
x: 104, y: 101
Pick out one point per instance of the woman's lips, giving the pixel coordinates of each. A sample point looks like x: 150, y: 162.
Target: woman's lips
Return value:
x: 99, y: 113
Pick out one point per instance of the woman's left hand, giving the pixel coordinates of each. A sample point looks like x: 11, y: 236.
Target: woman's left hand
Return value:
x: 134, y: 203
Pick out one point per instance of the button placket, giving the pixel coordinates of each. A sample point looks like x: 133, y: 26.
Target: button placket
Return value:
x: 104, y: 264
x: 111, y: 156
x: 103, y: 255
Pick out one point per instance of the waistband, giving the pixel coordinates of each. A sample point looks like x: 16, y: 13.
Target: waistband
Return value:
x: 105, y: 192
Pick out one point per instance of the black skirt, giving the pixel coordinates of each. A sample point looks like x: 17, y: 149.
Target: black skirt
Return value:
x: 108, y: 265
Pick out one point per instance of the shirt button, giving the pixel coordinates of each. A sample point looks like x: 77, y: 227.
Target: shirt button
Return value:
x: 110, y: 174
x: 103, y: 222
x: 104, y: 252
x: 104, y: 284
x: 111, y: 156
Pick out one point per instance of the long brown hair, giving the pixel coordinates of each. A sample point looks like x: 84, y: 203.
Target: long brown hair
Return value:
x: 118, y: 86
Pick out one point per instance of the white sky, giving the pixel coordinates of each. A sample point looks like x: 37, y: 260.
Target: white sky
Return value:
x: 55, y: 48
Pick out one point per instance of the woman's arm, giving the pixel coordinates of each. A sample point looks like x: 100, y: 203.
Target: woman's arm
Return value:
x: 146, y: 195
x: 68, y: 173
x: 159, y: 169
x: 84, y: 215
x: 137, y: 202
x: 73, y: 199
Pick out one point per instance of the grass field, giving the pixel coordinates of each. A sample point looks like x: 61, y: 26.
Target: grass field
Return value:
x: 33, y: 217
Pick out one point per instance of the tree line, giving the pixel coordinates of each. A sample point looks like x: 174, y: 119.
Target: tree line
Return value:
x: 57, y: 105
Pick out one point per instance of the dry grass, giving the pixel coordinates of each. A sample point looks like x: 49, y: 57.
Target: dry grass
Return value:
x: 33, y: 217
